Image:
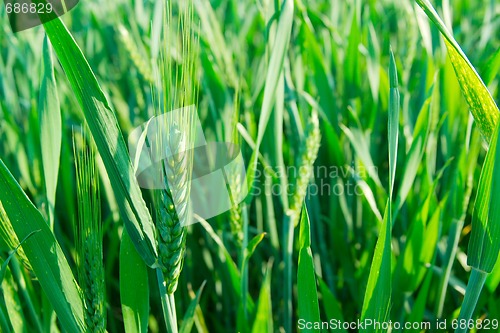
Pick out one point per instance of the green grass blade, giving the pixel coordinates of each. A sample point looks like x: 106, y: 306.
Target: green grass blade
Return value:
x: 418, y: 310
x: 494, y: 277
x: 481, y: 103
x: 308, y: 306
x: 416, y: 152
x: 188, y: 321
x: 264, y: 315
x: 134, y: 287
x: 393, y: 122
x: 250, y: 249
x: 108, y: 138
x: 50, y: 129
x: 43, y: 251
x: 379, y: 286
x: 231, y: 266
x: 376, y: 303
x: 484, y: 243
x: 331, y: 305
x: 472, y: 293
x: 275, y: 69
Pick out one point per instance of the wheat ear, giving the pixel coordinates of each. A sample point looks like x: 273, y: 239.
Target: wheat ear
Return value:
x: 89, y: 236
x: 307, y: 156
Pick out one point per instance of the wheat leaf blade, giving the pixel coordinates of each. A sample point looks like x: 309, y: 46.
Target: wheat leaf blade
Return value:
x: 481, y: 103
x: 108, y: 138
x: 134, y: 288
x: 45, y: 255
x: 306, y: 276
x: 276, y: 64
x: 50, y: 128
x: 484, y: 243
x: 188, y: 321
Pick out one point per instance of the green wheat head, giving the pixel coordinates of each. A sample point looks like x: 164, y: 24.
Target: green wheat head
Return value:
x: 89, y: 236
x: 307, y: 156
x: 235, y: 180
x: 136, y: 55
x: 176, y: 89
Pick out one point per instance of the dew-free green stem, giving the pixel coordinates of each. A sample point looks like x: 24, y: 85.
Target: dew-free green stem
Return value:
x: 451, y: 252
x: 244, y: 273
x: 472, y: 293
x: 24, y: 295
x: 288, y: 231
x: 166, y: 304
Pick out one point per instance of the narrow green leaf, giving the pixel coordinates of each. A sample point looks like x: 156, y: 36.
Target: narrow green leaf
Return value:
x: 108, y: 138
x: 418, y: 310
x: 252, y: 245
x: 331, y: 305
x: 417, y: 150
x: 484, y: 244
x: 50, y: 129
x: 481, y: 103
x: 188, y: 321
x: 231, y: 266
x: 43, y: 251
x: 494, y: 277
x: 393, y: 121
x: 264, y: 315
x: 134, y: 287
x: 472, y: 293
x: 379, y: 287
x: 275, y: 69
x: 306, y: 277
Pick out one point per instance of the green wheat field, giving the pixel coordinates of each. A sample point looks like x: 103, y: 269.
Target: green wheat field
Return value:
x: 370, y: 195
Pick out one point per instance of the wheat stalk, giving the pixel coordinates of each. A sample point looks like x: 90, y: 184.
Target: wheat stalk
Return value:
x: 235, y: 213
x: 173, y: 208
x: 89, y: 236
x: 307, y: 156
x: 176, y: 89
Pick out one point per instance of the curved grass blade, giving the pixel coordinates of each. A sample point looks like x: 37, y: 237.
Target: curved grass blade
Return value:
x: 481, y: 103
x: 188, y: 321
x: 275, y: 69
x: 331, y: 305
x: 45, y: 255
x: 376, y: 303
x: 393, y: 122
x: 379, y: 287
x: 484, y: 244
x: 231, y: 266
x: 306, y: 277
x: 108, y: 138
x: 264, y: 315
x: 134, y: 288
x: 50, y: 129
